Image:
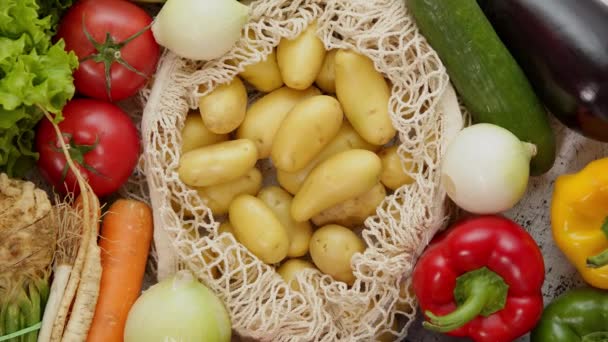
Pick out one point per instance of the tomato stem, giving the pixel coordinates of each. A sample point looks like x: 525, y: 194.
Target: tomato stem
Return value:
x: 77, y: 153
x: 108, y: 53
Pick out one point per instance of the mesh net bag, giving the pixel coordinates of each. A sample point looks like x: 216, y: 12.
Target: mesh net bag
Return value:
x: 423, y: 109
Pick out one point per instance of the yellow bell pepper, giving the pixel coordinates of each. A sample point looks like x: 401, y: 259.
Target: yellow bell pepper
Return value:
x: 579, y: 218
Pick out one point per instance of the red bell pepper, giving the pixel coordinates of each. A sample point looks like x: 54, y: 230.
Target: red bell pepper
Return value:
x: 481, y: 279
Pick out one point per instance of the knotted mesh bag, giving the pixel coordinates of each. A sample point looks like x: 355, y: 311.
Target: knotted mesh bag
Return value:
x: 423, y: 108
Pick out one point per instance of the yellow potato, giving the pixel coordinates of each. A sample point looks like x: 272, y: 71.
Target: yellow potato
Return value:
x: 218, y: 197
x: 406, y: 290
x: 264, y: 117
x: 346, y: 139
x: 223, y: 110
x: 387, y: 336
x: 332, y: 248
x: 307, y: 129
x: 393, y: 176
x: 195, y: 134
x: 341, y: 177
x: 264, y: 75
x: 218, y: 163
x: 226, y: 227
x: 326, y: 79
x: 279, y: 201
x: 300, y: 59
x: 353, y: 212
x: 258, y: 229
x: 364, y: 95
x: 290, y: 268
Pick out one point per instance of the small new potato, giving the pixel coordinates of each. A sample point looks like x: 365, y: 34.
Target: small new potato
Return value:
x: 290, y: 268
x: 346, y: 139
x: 264, y: 116
x: 218, y: 197
x: 353, y: 212
x: 300, y: 59
x: 257, y: 228
x: 226, y: 227
x: 264, y: 75
x: 195, y: 134
x: 343, y: 176
x: 224, y: 108
x: 308, y: 128
x: 326, y: 79
x: 364, y: 95
x: 218, y: 163
x: 332, y: 248
x: 393, y: 176
x: 279, y: 201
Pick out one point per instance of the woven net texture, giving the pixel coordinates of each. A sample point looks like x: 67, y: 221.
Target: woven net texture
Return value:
x: 260, y: 303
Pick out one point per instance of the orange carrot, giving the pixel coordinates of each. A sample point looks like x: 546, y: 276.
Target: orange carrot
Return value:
x: 126, y: 234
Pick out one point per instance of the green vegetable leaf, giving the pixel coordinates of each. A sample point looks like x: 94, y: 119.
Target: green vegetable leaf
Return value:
x: 34, y: 74
x: 54, y: 9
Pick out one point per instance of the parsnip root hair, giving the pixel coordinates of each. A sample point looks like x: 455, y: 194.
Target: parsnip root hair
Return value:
x: 78, y: 302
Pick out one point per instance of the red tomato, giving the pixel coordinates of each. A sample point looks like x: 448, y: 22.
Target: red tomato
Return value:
x: 102, y: 140
x: 109, y: 23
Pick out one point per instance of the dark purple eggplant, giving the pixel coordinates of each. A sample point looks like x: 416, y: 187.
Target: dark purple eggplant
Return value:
x: 562, y: 46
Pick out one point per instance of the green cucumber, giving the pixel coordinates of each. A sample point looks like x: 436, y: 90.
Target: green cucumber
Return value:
x: 486, y: 76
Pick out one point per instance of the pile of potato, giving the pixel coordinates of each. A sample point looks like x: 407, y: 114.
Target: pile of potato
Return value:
x: 325, y: 126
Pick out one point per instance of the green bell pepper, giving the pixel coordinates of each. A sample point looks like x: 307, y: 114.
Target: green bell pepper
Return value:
x: 580, y: 315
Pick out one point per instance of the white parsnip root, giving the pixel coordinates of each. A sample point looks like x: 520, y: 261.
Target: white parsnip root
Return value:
x: 70, y: 319
x: 61, y: 275
x: 70, y: 234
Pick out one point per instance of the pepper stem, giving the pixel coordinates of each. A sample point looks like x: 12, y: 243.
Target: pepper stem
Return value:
x: 479, y: 292
x: 601, y: 259
x: 599, y: 336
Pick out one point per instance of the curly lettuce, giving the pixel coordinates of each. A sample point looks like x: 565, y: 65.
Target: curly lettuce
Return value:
x: 35, y: 75
x: 54, y: 9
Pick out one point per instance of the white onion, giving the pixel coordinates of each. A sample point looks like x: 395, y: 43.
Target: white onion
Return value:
x: 178, y: 309
x: 200, y: 29
x: 485, y: 169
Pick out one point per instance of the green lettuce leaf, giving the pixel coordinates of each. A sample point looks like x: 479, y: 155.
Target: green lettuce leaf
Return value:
x: 35, y: 75
x: 54, y: 9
